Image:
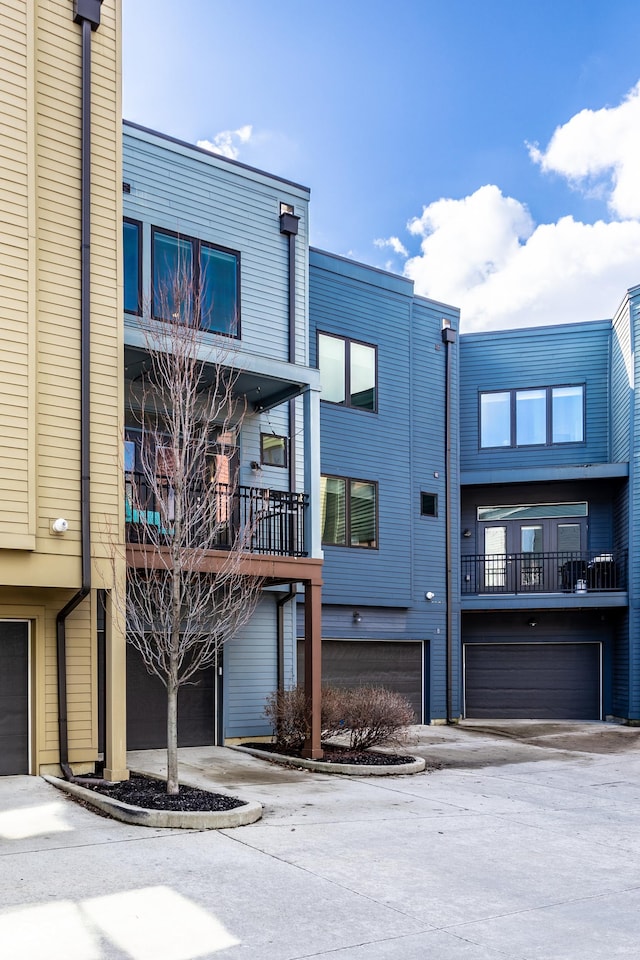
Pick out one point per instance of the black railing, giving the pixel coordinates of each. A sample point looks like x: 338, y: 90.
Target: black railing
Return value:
x: 268, y: 522
x: 570, y: 572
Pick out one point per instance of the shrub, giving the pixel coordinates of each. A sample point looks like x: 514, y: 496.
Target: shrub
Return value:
x: 374, y: 716
x: 370, y: 716
x: 287, y: 712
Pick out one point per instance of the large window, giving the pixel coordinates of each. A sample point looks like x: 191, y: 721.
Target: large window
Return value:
x: 348, y: 372
x: 192, y: 276
x: 349, y: 512
x: 131, y: 230
x: 540, y: 416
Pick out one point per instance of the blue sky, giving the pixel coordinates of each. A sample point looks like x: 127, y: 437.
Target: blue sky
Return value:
x: 490, y: 151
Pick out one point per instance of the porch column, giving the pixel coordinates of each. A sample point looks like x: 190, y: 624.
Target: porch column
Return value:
x: 311, y: 406
x: 313, y: 665
x: 115, y: 745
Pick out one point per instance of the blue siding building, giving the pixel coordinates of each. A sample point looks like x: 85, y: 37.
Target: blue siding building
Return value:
x: 547, y: 491
x: 474, y: 499
x: 241, y: 235
x: 386, y: 597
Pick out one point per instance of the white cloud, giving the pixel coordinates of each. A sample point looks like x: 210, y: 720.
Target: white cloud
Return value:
x: 601, y: 149
x: 395, y: 243
x: 225, y: 142
x: 485, y: 254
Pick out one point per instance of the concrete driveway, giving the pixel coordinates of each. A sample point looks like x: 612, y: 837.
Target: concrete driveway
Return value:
x: 523, y: 844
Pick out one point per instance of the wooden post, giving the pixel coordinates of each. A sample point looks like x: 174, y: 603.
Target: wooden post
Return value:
x: 313, y: 665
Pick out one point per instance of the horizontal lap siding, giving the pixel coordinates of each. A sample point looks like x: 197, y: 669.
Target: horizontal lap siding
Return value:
x: 545, y: 356
x: 250, y: 673
x: 17, y: 310
x: 369, y: 446
x: 634, y: 516
x: 229, y: 207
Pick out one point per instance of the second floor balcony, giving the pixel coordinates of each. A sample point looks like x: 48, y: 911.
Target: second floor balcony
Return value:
x: 265, y: 522
x: 569, y: 573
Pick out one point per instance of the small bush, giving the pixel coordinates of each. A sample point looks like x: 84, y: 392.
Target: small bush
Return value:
x: 374, y: 716
x: 370, y: 716
x: 287, y: 712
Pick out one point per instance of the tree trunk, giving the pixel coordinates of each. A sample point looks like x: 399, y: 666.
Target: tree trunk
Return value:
x: 172, y: 737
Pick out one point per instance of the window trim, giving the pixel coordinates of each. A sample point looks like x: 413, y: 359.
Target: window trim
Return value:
x: 347, y: 369
x: 549, y: 442
x: 196, y: 245
x: 138, y: 224
x: 347, y: 512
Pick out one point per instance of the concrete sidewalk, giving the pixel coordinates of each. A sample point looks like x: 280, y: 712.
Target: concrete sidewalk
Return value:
x: 522, y: 846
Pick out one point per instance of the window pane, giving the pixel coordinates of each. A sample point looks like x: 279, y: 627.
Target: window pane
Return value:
x: 131, y: 237
x: 530, y: 539
x: 531, y: 417
x: 219, y: 291
x: 495, y: 419
x: 273, y: 450
x: 332, y: 368
x: 172, y: 277
x: 129, y: 456
x: 533, y: 511
x: 569, y: 537
x: 363, y: 514
x: 363, y: 376
x: 429, y: 504
x: 332, y: 510
x: 567, y: 414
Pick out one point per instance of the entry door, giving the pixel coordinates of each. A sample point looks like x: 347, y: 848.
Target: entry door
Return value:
x: 522, y: 557
x: 14, y: 697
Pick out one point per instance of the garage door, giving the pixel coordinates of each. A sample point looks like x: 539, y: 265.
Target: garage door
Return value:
x: 544, y: 681
x: 14, y: 698
x: 352, y: 663
x: 147, y: 708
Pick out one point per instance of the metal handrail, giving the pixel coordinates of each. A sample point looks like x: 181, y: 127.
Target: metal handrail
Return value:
x: 576, y: 572
x: 274, y: 519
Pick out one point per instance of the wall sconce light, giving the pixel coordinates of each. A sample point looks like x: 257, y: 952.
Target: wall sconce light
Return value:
x: 429, y: 595
x: 255, y: 466
x: 357, y: 618
x: 466, y: 532
x: 532, y: 622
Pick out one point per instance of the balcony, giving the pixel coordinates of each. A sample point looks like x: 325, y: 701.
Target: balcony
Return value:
x: 273, y: 519
x: 577, y: 573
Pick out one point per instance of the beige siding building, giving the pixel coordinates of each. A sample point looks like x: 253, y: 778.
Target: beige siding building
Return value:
x: 53, y: 666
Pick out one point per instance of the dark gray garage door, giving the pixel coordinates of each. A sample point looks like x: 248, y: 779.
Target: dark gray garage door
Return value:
x: 14, y: 698
x: 147, y: 709
x: 544, y: 681
x: 352, y: 663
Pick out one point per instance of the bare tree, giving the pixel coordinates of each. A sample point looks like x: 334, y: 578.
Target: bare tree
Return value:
x: 188, y: 592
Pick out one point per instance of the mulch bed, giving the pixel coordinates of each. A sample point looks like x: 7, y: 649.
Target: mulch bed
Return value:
x: 151, y: 794
x: 333, y: 753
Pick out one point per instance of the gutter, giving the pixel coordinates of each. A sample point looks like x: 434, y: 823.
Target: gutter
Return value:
x: 289, y: 227
x: 280, y: 604
x: 448, y: 338
x: 87, y: 14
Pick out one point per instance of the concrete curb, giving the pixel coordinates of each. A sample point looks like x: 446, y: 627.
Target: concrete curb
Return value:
x: 175, y: 819
x: 415, y: 765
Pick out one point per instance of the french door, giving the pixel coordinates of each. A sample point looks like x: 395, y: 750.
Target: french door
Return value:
x: 522, y: 557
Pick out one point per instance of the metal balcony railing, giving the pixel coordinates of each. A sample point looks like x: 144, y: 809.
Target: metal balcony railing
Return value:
x: 272, y: 521
x: 570, y: 572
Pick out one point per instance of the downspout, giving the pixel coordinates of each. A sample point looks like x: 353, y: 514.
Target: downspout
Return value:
x: 87, y: 14
x: 448, y: 338
x: 289, y: 226
x: 280, y: 604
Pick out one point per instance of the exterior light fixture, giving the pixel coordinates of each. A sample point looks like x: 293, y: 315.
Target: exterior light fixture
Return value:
x: 60, y: 525
x: 532, y: 622
x: 429, y: 595
x: 357, y: 618
x: 466, y: 532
